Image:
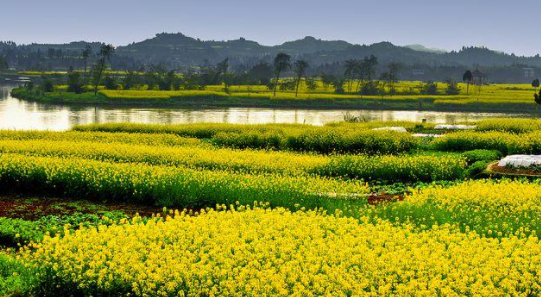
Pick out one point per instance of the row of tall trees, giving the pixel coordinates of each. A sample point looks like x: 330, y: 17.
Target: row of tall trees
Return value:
x: 358, y: 76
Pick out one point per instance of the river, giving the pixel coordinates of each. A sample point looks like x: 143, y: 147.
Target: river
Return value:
x: 23, y: 115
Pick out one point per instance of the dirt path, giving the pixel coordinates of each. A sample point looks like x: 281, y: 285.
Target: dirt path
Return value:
x: 34, y: 207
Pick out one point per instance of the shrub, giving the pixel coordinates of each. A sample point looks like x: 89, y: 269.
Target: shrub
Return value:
x: 47, y: 86
x: 482, y: 155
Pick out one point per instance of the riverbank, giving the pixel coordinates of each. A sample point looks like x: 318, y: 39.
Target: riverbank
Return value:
x: 134, y: 98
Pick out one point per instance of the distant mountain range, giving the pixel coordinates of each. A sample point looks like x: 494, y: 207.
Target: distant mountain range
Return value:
x: 177, y: 51
x: 422, y: 48
x: 183, y: 50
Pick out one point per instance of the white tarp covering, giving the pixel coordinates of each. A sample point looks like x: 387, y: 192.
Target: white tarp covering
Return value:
x: 520, y: 161
x: 455, y: 127
x: 427, y: 135
x: 397, y: 129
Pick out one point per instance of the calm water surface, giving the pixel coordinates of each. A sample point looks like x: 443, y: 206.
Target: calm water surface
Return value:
x: 24, y: 115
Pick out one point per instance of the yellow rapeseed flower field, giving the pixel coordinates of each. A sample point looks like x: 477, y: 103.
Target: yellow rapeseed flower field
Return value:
x: 491, y: 208
x: 263, y: 252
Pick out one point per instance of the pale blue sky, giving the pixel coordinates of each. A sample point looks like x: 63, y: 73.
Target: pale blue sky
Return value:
x: 510, y: 26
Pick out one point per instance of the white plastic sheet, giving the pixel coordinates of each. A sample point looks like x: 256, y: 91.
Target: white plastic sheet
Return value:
x: 455, y: 127
x: 523, y: 161
x: 397, y: 129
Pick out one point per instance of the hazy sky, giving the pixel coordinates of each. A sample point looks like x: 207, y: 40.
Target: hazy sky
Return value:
x: 510, y: 26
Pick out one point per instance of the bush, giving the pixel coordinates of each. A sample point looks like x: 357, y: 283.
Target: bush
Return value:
x: 452, y: 88
x: 477, y: 168
x: 47, y: 86
x: 75, y: 84
x: 482, y: 155
x: 429, y: 88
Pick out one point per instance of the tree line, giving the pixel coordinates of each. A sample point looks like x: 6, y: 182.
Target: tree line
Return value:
x: 284, y: 74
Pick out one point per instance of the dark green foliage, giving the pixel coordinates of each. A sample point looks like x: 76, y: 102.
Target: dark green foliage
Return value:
x: 311, y: 84
x: 3, y: 64
x: 15, y: 279
x: 18, y: 231
x: 482, y: 155
x: 47, y: 86
x: 452, y: 88
x: 260, y: 74
x: 338, y: 84
x: 110, y: 83
x: 105, y: 54
x: 429, y: 88
x: 75, y: 83
x: 327, y: 80
x: 299, y: 67
x: 477, y: 168
x: 130, y: 80
x: 370, y: 88
x: 282, y: 63
x: 29, y: 86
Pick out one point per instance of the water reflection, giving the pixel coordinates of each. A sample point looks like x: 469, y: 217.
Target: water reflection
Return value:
x: 23, y: 115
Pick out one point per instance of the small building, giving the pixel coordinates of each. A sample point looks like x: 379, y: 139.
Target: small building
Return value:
x: 529, y: 72
x: 418, y: 72
x: 478, y: 77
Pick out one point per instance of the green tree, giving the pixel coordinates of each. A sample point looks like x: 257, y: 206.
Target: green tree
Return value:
x: 537, y: 97
x: 299, y: 67
x: 535, y: 83
x: 351, y: 67
x: 452, y: 88
x: 130, y: 80
x: 47, y: 86
x: 327, y: 80
x: 311, y: 84
x: 367, y: 72
x: 282, y: 62
x: 261, y: 73
x: 390, y: 77
x: 467, y: 78
x: 29, y: 86
x: 429, y: 88
x: 338, y: 84
x: 86, y: 54
x: 3, y: 64
x: 75, y: 84
x: 105, y: 54
x: 221, y: 71
x: 110, y: 83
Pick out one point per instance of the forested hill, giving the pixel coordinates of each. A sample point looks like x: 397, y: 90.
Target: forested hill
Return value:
x: 183, y: 50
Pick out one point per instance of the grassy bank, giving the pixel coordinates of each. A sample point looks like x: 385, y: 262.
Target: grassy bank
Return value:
x: 496, y: 98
